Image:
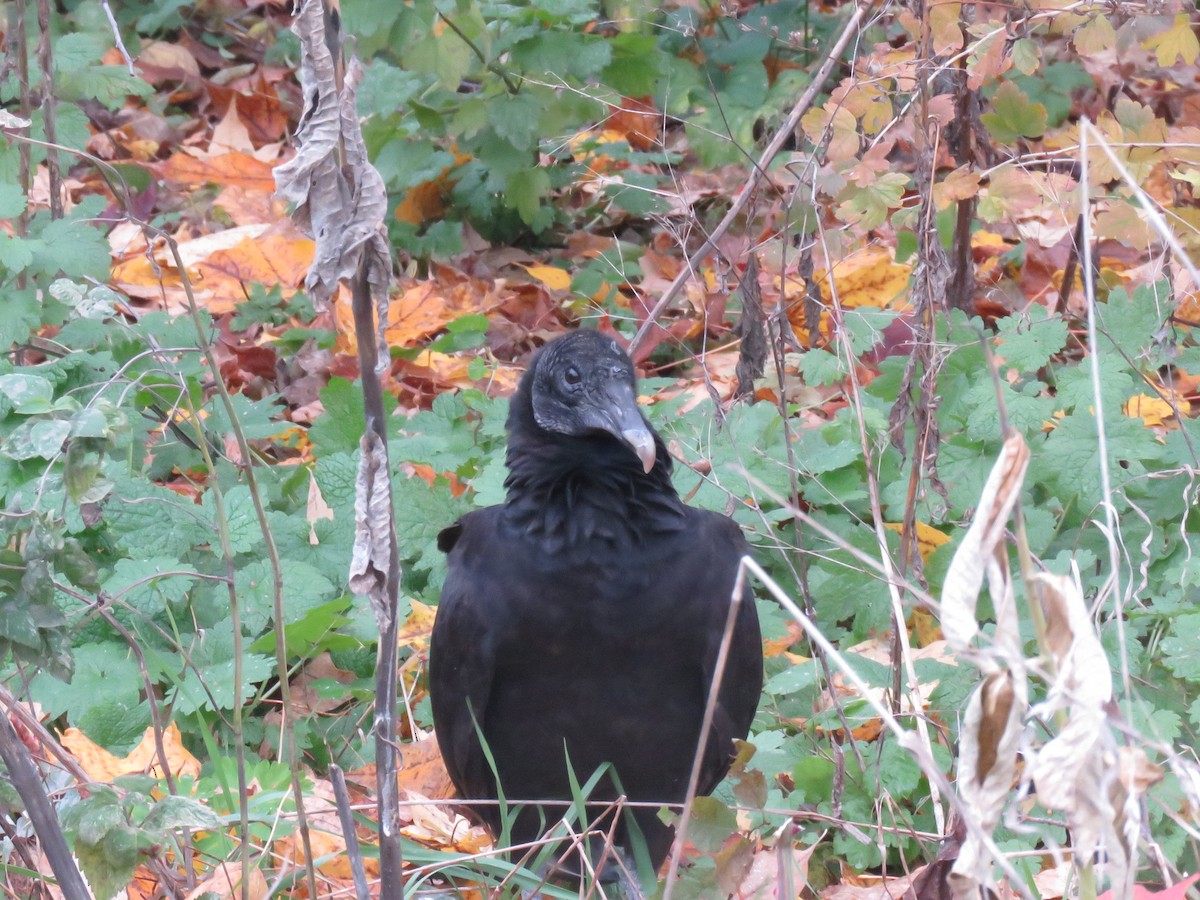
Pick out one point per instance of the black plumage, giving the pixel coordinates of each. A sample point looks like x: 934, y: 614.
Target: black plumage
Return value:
x: 583, y: 616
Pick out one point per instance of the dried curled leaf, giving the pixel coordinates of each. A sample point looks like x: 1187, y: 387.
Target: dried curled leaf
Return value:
x: 372, y: 528
x: 340, y: 197
x: 964, y: 578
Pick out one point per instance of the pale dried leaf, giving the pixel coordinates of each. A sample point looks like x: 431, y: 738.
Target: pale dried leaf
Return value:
x: 1084, y: 678
x: 317, y: 509
x: 340, y: 197
x: 987, y: 765
x: 372, y: 528
x: 966, y: 573
x: 1077, y: 772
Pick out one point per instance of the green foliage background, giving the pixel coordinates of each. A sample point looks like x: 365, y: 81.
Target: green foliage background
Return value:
x: 100, y: 556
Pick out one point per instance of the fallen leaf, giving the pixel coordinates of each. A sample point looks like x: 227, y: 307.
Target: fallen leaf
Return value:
x: 225, y: 883
x: 928, y: 537
x: 102, y: 766
x: 551, y: 276
x: 241, y: 169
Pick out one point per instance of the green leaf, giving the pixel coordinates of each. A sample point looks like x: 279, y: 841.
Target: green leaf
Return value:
x: 173, y: 812
x: 74, y: 562
x: 12, y: 201
x: 444, y: 55
x: 29, y: 394
x: 241, y: 520
x: 318, y: 629
x: 799, y: 677
x: 210, y: 680
x: 342, y: 424
x: 1053, y: 87
x: 819, y: 367
x: 898, y: 770
x: 17, y: 255
x: 304, y: 588
x: 108, y: 85
x: 105, y: 672
x: 525, y: 192
x: 711, y: 824
x: 1013, y: 116
x: 115, y: 722
x: 74, y: 248
x: 37, y: 438
x: 1179, y: 648
x: 1134, y: 323
x: 562, y: 53
x: 1029, y: 341
x: 385, y: 89
x: 636, y: 64
x: 746, y: 85
x: 867, y: 206
x: 865, y: 325
x: 813, y: 778
x: 110, y: 863
x: 515, y: 118
x: 1070, y: 462
x: 1075, y: 384
x: 421, y: 512
x: 78, y: 50
x: 142, y: 516
x: 152, y: 583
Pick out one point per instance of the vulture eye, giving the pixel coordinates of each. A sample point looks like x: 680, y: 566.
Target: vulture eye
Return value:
x: 572, y: 376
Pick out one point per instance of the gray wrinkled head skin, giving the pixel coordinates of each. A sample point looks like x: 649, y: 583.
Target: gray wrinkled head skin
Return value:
x: 584, y: 383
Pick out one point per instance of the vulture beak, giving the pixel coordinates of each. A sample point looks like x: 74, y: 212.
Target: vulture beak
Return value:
x: 620, y: 416
x: 642, y: 442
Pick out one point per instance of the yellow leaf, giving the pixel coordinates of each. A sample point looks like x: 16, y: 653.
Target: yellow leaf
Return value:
x: 1095, y: 36
x: 1154, y: 411
x: 928, y: 537
x: 1177, y: 41
x: 869, y: 277
x: 416, y: 629
x: 551, y: 276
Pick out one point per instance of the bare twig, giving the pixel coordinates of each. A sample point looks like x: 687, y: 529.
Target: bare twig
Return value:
x: 49, y: 118
x: 28, y: 782
x: 346, y: 817
x: 710, y: 707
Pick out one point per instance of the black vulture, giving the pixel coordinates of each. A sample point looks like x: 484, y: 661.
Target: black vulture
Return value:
x: 581, y: 619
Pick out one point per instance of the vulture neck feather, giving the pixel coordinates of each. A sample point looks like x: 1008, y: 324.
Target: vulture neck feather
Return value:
x: 587, y: 491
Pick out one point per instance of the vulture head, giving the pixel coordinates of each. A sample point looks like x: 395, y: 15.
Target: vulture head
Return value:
x: 583, y: 385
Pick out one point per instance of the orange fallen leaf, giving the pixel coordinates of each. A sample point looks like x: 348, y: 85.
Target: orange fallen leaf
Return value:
x: 423, y: 771
x: 637, y: 121
x: 429, y: 199
x: 423, y: 308
x: 189, y: 170
x: 588, y: 148
x: 102, y: 766
x: 279, y: 259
